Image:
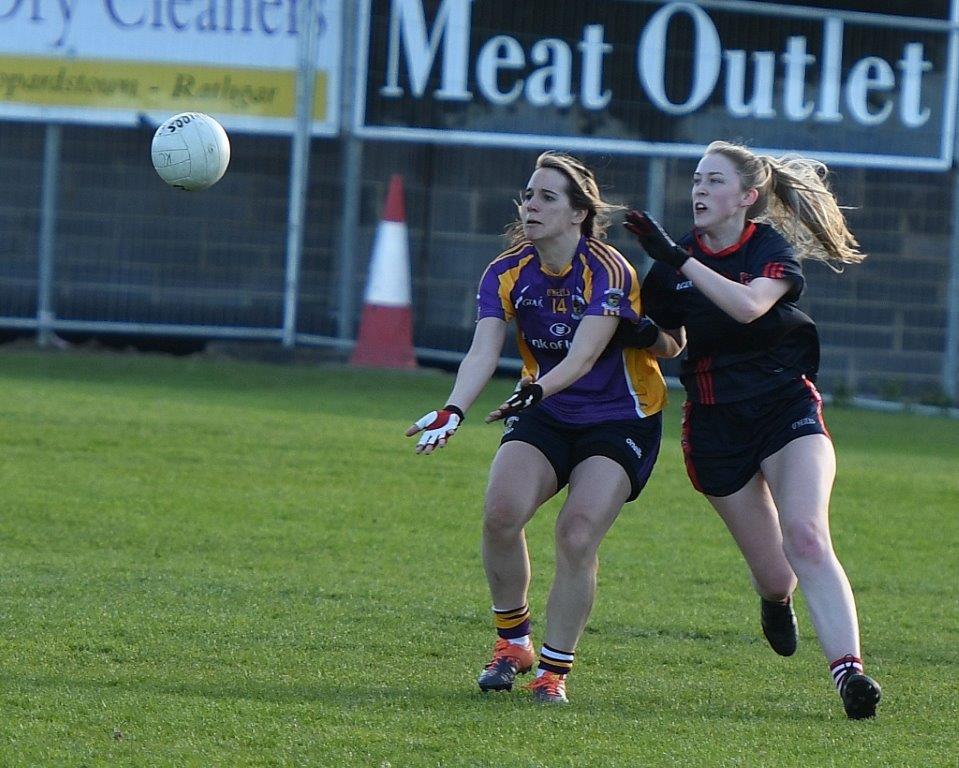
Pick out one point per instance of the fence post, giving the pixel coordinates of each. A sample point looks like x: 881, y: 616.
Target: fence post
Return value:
x: 299, y: 165
x: 654, y: 202
x: 46, y: 312
x: 950, y: 360
x: 352, y: 168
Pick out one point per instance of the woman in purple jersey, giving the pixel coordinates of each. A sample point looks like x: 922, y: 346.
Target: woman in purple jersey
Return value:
x: 753, y: 434
x: 587, y: 413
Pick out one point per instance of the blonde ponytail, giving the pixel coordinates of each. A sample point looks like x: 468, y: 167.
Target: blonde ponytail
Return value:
x: 795, y: 198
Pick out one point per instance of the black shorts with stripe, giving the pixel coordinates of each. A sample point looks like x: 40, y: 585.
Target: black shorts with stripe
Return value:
x: 725, y: 444
x: 633, y: 444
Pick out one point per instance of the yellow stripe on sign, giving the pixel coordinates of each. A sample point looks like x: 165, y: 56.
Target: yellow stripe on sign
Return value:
x: 153, y: 87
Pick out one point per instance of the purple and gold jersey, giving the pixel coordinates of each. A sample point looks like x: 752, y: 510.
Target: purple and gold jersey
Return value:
x: 727, y: 361
x: 623, y: 383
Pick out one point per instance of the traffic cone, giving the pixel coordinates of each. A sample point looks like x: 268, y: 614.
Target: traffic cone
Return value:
x: 386, y: 327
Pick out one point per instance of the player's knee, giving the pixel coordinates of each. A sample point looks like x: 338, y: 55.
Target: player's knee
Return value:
x: 576, y: 538
x: 806, y: 543
x: 503, y: 519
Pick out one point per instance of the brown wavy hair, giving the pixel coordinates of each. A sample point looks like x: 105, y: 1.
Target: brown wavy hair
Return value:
x: 583, y: 192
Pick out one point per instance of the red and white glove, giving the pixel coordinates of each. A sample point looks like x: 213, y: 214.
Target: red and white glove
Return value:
x: 437, y: 428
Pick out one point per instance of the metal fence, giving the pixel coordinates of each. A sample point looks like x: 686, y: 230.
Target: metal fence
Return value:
x: 93, y: 244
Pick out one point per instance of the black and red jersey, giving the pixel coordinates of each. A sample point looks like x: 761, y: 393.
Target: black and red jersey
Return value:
x: 727, y: 361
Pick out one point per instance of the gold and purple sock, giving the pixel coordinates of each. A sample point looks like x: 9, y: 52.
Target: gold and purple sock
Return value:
x: 513, y: 625
x: 554, y: 660
x: 842, y: 668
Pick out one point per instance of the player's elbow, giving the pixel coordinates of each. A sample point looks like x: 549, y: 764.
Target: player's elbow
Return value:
x: 671, y: 351
x: 582, y: 364
x: 748, y: 311
x: 478, y: 362
x: 669, y: 343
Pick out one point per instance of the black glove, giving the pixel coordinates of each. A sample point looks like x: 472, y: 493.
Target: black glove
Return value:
x: 525, y: 397
x: 640, y: 334
x: 654, y: 239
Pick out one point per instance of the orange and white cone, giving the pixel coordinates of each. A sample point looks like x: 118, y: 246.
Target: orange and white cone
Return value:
x: 386, y: 326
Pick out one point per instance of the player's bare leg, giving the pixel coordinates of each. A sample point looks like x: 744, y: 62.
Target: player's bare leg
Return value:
x: 752, y: 519
x: 598, y: 489
x: 800, y: 477
x: 521, y: 479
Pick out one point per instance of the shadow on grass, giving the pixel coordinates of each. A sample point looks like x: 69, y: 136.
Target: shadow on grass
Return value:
x: 726, y: 638
x: 686, y: 701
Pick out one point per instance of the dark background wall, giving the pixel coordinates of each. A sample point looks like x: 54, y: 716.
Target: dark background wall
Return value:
x: 130, y: 249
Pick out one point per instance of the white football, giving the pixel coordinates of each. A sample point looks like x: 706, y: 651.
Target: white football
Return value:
x: 190, y: 151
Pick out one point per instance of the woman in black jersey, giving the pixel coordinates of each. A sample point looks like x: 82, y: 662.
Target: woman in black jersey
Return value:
x: 754, y: 438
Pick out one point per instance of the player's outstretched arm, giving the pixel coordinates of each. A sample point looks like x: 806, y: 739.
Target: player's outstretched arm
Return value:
x: 479, y: 364
x: 591, y: 338
x: 743, y: 303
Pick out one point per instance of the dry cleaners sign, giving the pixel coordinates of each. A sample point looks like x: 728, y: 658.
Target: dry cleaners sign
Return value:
x: 661, y: 78
x: 113, y: 61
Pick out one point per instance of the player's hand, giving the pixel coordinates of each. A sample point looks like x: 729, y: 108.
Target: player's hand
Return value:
x: 653, y: 238
x: 437, y: 428
x: 526, y: 395
x: 638, y: 334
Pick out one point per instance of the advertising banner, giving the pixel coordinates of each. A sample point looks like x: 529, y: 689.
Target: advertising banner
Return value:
x: 119, y: 61
x: 647, y: 77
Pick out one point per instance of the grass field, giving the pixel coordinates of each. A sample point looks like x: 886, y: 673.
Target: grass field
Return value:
x: 224, y: 563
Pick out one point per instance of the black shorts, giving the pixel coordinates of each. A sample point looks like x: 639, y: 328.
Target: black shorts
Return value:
x: 724, y: 444
x: 633, y: 444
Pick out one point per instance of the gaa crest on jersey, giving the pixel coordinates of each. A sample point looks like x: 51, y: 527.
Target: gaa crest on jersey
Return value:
x: 612, y: 300
x: 560, y: 329
x: 579, y: 307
